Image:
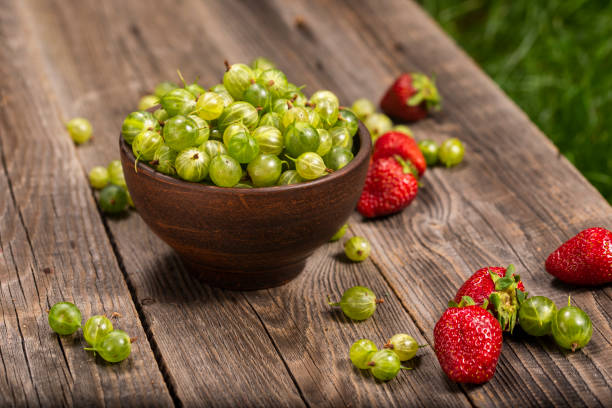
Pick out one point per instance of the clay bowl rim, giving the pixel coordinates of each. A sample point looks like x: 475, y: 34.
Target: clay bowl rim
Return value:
x: 365, y: 147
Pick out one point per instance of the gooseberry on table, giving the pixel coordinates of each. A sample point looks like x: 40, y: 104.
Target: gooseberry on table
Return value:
x: 96, y: 327
x: 64, y: 318
x: 363, y: 108
x: 571, y: 327
x: 360, y: 353
x: 114, y: 347
x: 358, y: 303
x: 536, y: 315
x: 429, y: 148
x: 98, y: 177
x: 113, y: 199
x: 451, y: 152
x: 357, y: 249
x: 79, y: 129
x: 404, y: 345
x: 340, y: 233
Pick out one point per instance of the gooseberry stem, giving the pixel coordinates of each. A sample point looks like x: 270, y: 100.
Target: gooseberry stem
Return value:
x: 178, y: 71
x: 379, y: 301
x: 405, y: 368
x: 227, y: 65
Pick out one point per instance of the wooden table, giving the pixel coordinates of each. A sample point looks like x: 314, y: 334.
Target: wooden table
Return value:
x: 513, y: 200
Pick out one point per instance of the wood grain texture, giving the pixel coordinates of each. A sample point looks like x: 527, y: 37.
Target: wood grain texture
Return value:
x: 54, y: 248
x: 514, y: 199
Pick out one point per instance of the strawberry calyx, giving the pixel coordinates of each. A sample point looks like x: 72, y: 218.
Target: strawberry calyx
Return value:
x: 426, y: 92
x: 407, y: 166
x: 507, y: 298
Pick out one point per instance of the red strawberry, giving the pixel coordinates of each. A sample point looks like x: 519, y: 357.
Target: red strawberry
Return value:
x: 468, y: 341
x: 585, y: 259
x: 410, y: 97
x: 390, y: 187
x: 392, y: 143
x: 497, y: 288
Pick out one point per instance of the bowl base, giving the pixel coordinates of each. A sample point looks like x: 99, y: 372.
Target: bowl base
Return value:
x: 240, y: 279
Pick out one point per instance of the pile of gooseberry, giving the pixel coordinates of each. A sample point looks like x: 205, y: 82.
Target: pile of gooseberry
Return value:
x: 449, y: 153
x: 255, y: 129
x: 386, y: 363
x: 114, y: 195
x: 111, y: 344
x: 570, y: 327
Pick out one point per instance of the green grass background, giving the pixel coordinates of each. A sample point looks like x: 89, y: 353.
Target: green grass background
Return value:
x: 554, y: 59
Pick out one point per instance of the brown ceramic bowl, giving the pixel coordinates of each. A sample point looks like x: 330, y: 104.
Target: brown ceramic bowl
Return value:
x: 246, y: 239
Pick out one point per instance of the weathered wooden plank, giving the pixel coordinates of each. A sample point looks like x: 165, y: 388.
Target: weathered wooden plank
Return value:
x: 211, y: 343
x: 54, y: 248
x: 514, y: 200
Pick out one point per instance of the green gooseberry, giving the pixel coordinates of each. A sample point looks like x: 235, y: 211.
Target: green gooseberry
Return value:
x: 79, y: 129
x: 243, y: 147
x: 340, y: 233
x: 348, y: 120
x: 115, y: 174
x: 147, y: 102
x: 145, y: 144
x: 313, y: 118
x: 310, y: 166
x: 357, y: 249
x: 289, y: 177
x: 360, y: 353
x: 324, y: 95
x: 243, y: 185
x: 363, y: 108
x: 337, y: 158
x: 137, y: 122
x: 358, y: 303
x: 96, y: 327
x: 219, y: 88
x: 429, y: 148
x: 275, y: 82
x: 203, y: 129
x: 384, y: 365
x: 64, y: 318
x: 181, y: 132
x: 195, y: 89
x: 238, y: 112
x: 98, y: 177
x: 328, y: 113
x: 113, y: 199
x: 295, y: 114
x: 571, y: 327
x: 536, y: 315
x: 404, y: 345
x: 237, y: 79
x: 262, y: 63
x: 214, y: 148
x: 295, y: 95
x: 160, y: 115
x: 270, y: 119
x: 224, y: 171
x: 116, y: 346
x: 233, y: 130
x: 281, y: 106
x: 341, y: 137
x: 378, y: 124
x: 300, y: 138
x: 451, y: 152
x: 403, y: 129
x: 269, y: 138
x: 258, y: 96
x: 178, y: 101
x: 210, y: 106
x: 265, y: 170
x: 163, y: 88
x: 192, y: 164
x: 325, y: 142
x: 163, y: 160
